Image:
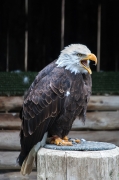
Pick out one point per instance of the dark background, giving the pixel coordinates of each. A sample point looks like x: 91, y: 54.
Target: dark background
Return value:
x: 43, y: 24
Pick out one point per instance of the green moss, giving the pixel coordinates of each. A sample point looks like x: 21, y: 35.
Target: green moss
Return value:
x: 12, y: 83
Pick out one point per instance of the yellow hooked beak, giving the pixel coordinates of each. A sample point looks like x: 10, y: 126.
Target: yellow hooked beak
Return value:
x: 91, y: 57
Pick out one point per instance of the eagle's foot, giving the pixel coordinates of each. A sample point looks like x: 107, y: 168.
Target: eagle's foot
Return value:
x: 65, y: 138
x: 61, y: 142
x: 71, y: 139
x: 75, y: 140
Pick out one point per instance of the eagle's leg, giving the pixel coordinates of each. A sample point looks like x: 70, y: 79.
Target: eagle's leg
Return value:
x: 60, y: 142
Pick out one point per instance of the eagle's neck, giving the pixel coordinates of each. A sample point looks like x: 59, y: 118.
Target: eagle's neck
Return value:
x: 69, y: 63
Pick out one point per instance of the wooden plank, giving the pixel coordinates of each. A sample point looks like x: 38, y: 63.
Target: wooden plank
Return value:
x: 9, y: 140
x: 11, y: 103
x: 10, y: 121
x: 101, y: 103
x: 104, y: 103
x: 8, y: 160
x: 102, y: 136
x: 104, y: 120
x: 15, y: 175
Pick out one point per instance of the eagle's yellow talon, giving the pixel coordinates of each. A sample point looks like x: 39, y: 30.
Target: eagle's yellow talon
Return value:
x: 60, y: 142
x: 66, y: 138
x: 77, y: 141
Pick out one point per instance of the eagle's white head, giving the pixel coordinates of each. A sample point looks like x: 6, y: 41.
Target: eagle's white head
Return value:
x: 76, y: 58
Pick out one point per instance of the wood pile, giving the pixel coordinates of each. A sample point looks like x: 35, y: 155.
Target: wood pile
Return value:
x: 102, y: 124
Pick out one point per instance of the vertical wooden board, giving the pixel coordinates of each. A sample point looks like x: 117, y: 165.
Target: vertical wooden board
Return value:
x: 43, y: 33
x: 35, y: 34
x: 109, y: 44
x: 3, y: 34
x: 72, y: 27
x: 55, y: 25
x: 78, y: 17
x: 16, y: 34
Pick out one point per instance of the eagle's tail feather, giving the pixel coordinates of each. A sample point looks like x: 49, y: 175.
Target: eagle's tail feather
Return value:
x: 20, y: 159
x: 28, y: 163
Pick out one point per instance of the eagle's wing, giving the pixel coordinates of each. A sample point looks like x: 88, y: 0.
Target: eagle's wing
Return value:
x: 41, y: 106
x: 44, y: 72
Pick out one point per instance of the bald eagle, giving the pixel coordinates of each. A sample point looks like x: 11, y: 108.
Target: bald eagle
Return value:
x: 59, y: 94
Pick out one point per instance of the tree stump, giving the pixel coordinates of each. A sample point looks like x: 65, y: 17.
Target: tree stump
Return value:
x: 78, y: 165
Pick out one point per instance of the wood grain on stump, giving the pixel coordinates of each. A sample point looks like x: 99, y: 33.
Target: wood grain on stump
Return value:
x: 78, y: 165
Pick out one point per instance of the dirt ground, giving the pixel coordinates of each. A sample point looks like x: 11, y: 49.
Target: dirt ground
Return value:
x: 15, y: 175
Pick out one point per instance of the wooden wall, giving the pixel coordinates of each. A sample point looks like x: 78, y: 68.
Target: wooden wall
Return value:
x: 42, y: 22
x: 102, y: 124
x: 43, y: 33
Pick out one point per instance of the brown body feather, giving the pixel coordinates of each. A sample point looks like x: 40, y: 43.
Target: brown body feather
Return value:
x: 48, y: 107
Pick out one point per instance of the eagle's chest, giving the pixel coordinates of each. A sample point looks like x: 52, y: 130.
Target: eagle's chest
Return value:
x: 77, y: 95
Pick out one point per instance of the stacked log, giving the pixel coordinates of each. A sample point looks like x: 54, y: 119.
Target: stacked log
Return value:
x: 102, y: 124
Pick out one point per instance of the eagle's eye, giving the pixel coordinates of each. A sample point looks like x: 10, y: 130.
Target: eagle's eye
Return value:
x: 79, y: 55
